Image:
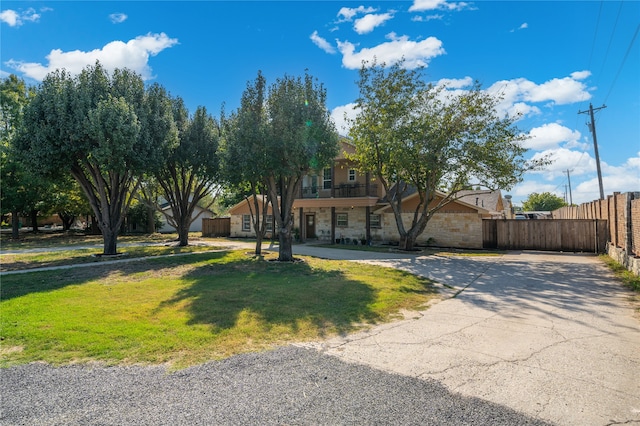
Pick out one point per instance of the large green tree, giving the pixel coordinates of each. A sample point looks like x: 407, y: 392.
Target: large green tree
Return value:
x: 104, y: 129
x: 419, y: 139
x: 245, y: 154
x: 20, y: 191
x: 543, y: 202
x: 190, y: 175
x: 300, y: 136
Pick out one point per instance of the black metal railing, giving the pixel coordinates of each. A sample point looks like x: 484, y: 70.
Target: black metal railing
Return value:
x: 344, y: 190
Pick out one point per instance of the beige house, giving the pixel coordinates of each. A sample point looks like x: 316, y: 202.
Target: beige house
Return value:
x: 340, y: 204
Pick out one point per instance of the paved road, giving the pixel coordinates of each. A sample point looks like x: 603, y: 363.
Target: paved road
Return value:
x: 529, y: 338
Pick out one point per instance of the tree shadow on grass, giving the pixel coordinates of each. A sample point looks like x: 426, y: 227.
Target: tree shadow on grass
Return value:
x: 262, y: 295
x: 28, y: 282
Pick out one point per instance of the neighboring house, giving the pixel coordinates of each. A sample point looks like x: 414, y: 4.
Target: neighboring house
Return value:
x: 339, y: 204
x: 498, y: 207
x: 196, y: 225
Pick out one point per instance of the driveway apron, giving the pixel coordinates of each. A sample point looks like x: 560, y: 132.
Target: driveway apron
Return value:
x: 551, y: 335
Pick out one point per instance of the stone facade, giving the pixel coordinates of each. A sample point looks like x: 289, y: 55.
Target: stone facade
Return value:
x: 457, y: 230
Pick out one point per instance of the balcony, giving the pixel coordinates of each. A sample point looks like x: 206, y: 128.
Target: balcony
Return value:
x: 345, y: 190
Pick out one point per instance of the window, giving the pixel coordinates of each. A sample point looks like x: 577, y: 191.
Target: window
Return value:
x: 342, y: 220
x: 352, y: 175
x: 246, y: 222
x: 326, y: 179
x: 269, y: 225
x: 374, y: 221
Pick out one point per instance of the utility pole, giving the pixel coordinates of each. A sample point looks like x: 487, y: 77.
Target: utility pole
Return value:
x: 592, y: 128
x: 569, y: 179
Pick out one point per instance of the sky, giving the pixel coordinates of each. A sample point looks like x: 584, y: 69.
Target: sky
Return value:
x: 547, y: 60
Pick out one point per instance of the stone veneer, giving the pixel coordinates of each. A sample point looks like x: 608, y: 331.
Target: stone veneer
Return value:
x: 458, y: 230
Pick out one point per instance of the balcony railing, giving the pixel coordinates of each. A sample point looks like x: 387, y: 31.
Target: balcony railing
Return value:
x: 345, y: 190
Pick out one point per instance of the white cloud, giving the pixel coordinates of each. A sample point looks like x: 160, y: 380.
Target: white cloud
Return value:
x: 415, y: 53
x: 322, y: 43
x: 10, y: 17
x: 579, y: 162
x: 521, y: 27
x: 522, y: 92
x: 634, y: 163
x: 15, y: 19
x: 455, y: 83
x: 561, y: 91
x: 427, y: 18
x: 118, y: 18
x: 580, y: 75
x: 522, y: 191
x: 551, y: 135
x: 341, y: 116
x: 347, y: 13
x: 369, y: 22
x: 422, y: 5
x: 133, y: 55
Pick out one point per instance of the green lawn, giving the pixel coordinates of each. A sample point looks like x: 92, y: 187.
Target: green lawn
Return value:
x: 182, y: 311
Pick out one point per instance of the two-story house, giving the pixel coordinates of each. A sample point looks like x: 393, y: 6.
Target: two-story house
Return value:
x: 339, y: 204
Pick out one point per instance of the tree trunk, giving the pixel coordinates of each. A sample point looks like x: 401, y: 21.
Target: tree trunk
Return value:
x: 15, y: 225
x: 286, y: 245
x: 183, y: 234
x: 110, y: 239
x: 67, y: 220
x: 151, y: 220
x: 407, y: 242
x: 258, y: 243
x: 34, y: 221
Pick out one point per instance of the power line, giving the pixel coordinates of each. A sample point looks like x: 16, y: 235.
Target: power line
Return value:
x: 626, y: 55
x: 606, y: 54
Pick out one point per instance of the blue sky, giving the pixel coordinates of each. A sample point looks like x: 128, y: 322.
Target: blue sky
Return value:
x: 548, y: 59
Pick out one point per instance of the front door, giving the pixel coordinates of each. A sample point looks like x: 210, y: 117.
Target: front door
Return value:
x: 310, y: 231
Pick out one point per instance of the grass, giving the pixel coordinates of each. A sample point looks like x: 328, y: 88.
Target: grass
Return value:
x: 47, y: 239
x: 31, y: 260
x: 182, y: 311
x: 628, y: 278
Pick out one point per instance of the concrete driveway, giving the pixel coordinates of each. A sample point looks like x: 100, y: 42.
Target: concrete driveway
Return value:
x: 551, y: 335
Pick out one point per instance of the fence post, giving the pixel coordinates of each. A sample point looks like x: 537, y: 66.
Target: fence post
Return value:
x: 628, y: 243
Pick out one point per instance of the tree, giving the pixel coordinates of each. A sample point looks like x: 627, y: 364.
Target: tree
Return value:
x: 543, y: 202
x: 417, y: 138
x: 67, y: 200
x: 20, y: 190
x: 191, y: 171
x: 245, y: 154
x: 105, y: 130
x: 300, y: 136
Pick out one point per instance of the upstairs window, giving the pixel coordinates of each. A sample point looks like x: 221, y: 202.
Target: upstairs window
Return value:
x: 326, y: 179
x: 352, y: 175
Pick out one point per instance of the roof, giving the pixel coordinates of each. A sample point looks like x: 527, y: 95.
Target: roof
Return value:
x: 487, y: 199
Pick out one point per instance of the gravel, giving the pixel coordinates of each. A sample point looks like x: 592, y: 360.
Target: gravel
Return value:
x: 288, y: 386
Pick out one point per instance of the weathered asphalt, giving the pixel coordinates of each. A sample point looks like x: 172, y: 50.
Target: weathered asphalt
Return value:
x: 523, y: 338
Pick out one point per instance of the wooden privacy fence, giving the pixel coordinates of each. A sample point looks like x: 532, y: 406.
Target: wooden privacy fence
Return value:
x: 575, y: 235
x: 216, y: 227
x: 622, y: 210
